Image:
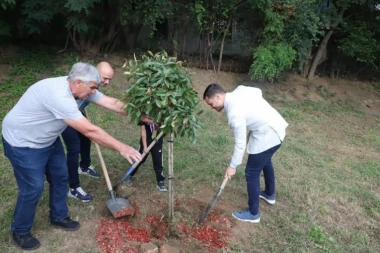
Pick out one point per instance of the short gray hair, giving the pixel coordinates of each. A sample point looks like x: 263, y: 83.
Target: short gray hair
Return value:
x: 85, y: 72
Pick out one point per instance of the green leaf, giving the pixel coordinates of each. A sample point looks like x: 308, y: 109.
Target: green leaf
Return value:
x: 171, y: 98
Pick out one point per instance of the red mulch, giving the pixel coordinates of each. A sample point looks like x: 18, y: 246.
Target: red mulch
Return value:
x: 113, y: 235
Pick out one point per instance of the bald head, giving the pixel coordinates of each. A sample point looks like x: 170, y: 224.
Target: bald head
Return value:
x: 106, y: 73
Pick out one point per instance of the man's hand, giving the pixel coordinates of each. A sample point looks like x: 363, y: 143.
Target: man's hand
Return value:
x: 230, y: 172
x: 131, y: 154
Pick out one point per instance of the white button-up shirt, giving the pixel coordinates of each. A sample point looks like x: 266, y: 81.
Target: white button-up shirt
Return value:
x: 247, y: 109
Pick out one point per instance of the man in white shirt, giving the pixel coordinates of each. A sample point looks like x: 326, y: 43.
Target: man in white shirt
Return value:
x: 246, y: 109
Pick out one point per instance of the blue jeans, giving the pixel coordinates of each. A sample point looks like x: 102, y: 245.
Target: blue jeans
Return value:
x: 30, y: 167
x: 255, y: 164
x: 76, y: 143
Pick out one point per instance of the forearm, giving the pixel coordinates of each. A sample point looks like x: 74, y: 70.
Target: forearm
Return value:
x: 102, y: 138
x: 112, y: 104
x: 117, y: 106
x: 240, y: 145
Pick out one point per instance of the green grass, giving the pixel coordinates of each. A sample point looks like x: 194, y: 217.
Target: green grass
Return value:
x: 324, y: 92
x: 327, y: 170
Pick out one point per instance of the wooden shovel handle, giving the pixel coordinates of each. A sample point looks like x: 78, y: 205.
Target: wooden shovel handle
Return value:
x: 222, y: 186
x: 105, y: 172
x: 224, y: 183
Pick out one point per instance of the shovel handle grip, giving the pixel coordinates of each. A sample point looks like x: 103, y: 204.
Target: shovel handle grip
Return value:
x: 224, y: 183
x: 222, y: 186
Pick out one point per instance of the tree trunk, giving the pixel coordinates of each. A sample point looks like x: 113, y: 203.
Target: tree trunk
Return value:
x: 184, y: 42
x: 113, y: 26
x: 207, y: 49
x: 131, y: 34
x: 170, y: 176
x: 306, y: 64
x: 66, y: 44
x: 222, y: 44
x: 173, y: 37
x: 323, y: 45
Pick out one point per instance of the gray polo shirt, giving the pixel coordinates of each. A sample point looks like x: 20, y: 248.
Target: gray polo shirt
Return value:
x: 37, y: 119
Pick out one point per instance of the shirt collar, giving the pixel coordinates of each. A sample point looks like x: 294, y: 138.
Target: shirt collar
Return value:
x: 227, y: 99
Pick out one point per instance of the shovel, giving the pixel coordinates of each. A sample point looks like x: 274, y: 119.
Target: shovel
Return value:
x: 212, y: 202
x: 133, y: 167
x: 119, y: 207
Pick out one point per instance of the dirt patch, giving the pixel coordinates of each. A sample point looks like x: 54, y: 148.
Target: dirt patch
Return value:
x: 4, y: 71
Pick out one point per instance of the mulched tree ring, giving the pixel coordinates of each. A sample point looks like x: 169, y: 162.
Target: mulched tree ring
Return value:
x: 125, y: 234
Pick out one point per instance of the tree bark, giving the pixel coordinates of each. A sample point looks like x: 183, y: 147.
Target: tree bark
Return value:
x: 173, y: 37
x: 306, y: 64
x: 184, y: 42
x: 323, y: 45
x: 222, y: 43
x: 170, y: 176
x: 131, y: 34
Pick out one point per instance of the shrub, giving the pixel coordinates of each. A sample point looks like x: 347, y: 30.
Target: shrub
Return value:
x: 270, y: 61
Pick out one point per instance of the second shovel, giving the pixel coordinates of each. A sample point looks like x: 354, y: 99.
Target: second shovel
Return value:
x: 212, y: 202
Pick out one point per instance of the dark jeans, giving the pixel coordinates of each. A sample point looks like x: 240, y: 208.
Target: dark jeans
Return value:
x: 30, y: 167
x: 156, y: 153
x: 76, y: 143
x: 255, y: 164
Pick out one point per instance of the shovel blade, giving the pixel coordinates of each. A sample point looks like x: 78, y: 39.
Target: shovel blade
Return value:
x: 207, y: 209
x: 119, y: 207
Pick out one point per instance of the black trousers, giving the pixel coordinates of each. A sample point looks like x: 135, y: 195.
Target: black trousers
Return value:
x: 157, y: 156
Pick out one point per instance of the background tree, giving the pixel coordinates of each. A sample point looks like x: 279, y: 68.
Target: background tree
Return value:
x: 135, y: 14
x: 337, y: 11
x: 274, y: 54
x: 307, y: 36
x: 5, y: 27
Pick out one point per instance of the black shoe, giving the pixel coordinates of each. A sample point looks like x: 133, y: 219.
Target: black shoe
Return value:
x: 161, y: 186
x: 66, y: 224
x: 26, y: 242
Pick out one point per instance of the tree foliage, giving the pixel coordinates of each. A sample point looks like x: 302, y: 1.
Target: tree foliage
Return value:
x: 161, y: 88
x: 352, y: 44
x: 270, y: 61
x: 275, y: 54
x: 206, y: 29
x: 5, y: 27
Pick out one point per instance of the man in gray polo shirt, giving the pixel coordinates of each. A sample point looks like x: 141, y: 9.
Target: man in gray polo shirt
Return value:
x: 31, y: 142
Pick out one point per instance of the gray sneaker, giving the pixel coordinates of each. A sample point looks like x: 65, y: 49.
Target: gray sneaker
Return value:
x: 161, y: 186
x: 79, y: 194
x: 269, y: 199
x: 245, y: 215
